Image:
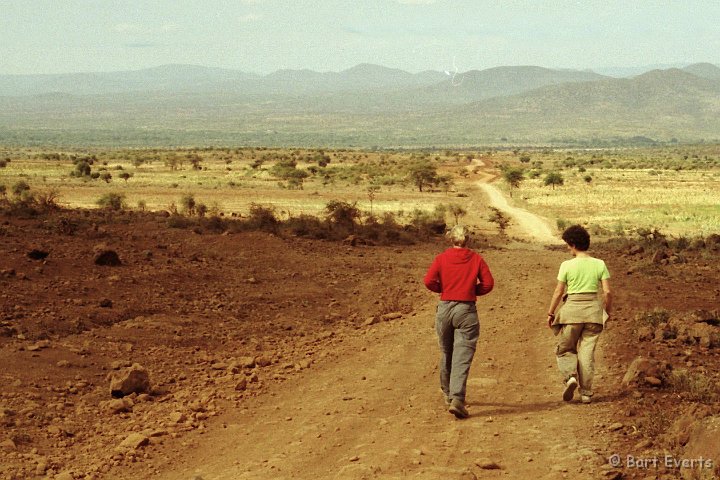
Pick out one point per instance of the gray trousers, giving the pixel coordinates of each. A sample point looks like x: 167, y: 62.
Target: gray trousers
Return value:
x: 575, y: 353
x: 458, y: 330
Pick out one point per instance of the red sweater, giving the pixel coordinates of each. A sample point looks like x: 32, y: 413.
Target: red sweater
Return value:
x: 459, y: 274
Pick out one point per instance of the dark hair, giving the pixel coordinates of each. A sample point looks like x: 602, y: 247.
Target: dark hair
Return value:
x: 576, y: 236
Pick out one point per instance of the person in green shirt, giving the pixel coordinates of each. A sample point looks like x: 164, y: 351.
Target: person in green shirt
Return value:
x: 580, y: 320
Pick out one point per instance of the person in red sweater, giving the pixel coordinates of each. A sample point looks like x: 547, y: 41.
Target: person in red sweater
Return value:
x: 459, y: 275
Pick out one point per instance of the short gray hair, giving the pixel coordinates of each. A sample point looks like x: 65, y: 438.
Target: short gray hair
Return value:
x: 459, y: 235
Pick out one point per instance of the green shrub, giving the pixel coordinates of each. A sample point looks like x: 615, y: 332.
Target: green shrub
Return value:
x: 112, y: 201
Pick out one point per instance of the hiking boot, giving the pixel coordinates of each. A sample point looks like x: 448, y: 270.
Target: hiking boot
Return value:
x: 570, y: 387
x: 458, y: 409
x: 585, y: 398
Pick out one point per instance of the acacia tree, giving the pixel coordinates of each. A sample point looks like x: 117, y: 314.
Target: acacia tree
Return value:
x: 457, y: 211
x: 423, y: 174
x: 500, y: 219
x: 371, y: 191
x: 554, y: 178
x: 514, y: 177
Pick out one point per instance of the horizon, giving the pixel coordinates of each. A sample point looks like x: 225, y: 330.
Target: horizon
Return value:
x: 264, y: 36
x: 601, y: 69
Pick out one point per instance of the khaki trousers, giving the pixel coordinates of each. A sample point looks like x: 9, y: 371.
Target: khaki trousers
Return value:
x: 575, y: 353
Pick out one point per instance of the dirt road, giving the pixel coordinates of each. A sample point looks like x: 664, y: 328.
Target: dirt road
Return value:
x: 525, y: 223
x: 374, y: 410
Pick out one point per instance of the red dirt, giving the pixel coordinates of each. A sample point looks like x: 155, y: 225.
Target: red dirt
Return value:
x: 340, y: 398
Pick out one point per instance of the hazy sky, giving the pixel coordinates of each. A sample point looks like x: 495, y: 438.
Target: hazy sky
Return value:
x: 57, y: 36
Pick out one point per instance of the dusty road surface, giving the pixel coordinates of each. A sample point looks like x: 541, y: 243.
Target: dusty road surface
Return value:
x: 525, y: 223
x: 375, y: 409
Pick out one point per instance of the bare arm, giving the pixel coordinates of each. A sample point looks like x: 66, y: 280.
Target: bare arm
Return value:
x: 557, y: 295
x: 607, y: 295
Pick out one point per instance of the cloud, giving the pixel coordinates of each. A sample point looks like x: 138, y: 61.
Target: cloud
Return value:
x: 250, y: 17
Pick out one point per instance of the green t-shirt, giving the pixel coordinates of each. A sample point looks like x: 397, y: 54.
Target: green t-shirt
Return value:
x: 583, y: 274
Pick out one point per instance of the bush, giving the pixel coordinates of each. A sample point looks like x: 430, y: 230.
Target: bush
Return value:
x: 20, y: 188
x: 654, y: 317
x: 179, y: 221
x: 697, y: 387
x: 263, y: 218
x: 342, y: 214
x: 112, y: 201
x: 188, y: 204
x: 47, y: 200
x: 308, y: 226
x: 500, y: 219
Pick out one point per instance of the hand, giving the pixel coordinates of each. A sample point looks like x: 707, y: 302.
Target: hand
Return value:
x: 550, y: 320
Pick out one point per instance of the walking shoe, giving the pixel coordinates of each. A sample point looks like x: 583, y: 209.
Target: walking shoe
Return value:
x: 458, y: 409
x: 585, y: 398
x: 570, y: 387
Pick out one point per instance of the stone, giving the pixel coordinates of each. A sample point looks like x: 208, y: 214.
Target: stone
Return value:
x: 134, y: 441
x: 8, y: 445
x: 106, y: 257
x: 487, y: 464
x: 659, y: 255
x: 241, y: 385
x: 8, y: 273
x: 246, y: 362
x: 654, y: 381
x: 391, y: 316
x: 63, y: 363
x: 636, y: 250
x: 118, y: 405
x: 704, y: 334
x: 642, y: 368
x: 262, y: 361
x: 105, y: 303
x: 37, y: 254
x: 134, y: 379
x: 645, y: 333
x: 615, y: 427
x: 702, y: 443
x: 370, y: 321
x: 177, y: 417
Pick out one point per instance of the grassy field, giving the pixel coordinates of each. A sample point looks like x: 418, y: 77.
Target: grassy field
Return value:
x: 618, y: 191
x: 229, y: 181
x: 613, y: 191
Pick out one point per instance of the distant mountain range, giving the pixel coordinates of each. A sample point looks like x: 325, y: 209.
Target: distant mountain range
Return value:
x: 367, y: 105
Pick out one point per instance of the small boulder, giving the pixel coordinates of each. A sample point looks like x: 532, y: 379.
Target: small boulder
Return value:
x: 8, y: 445
x: 134, y: 379
x: 134, y: 441
x: 246, y: 362
x: 643, y: 368
x: 37, y: 254
x: 659, y: 255
x: 702, y: 443
x: 106, y: 257
x: 262, y: 361
x: 391, y: 316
